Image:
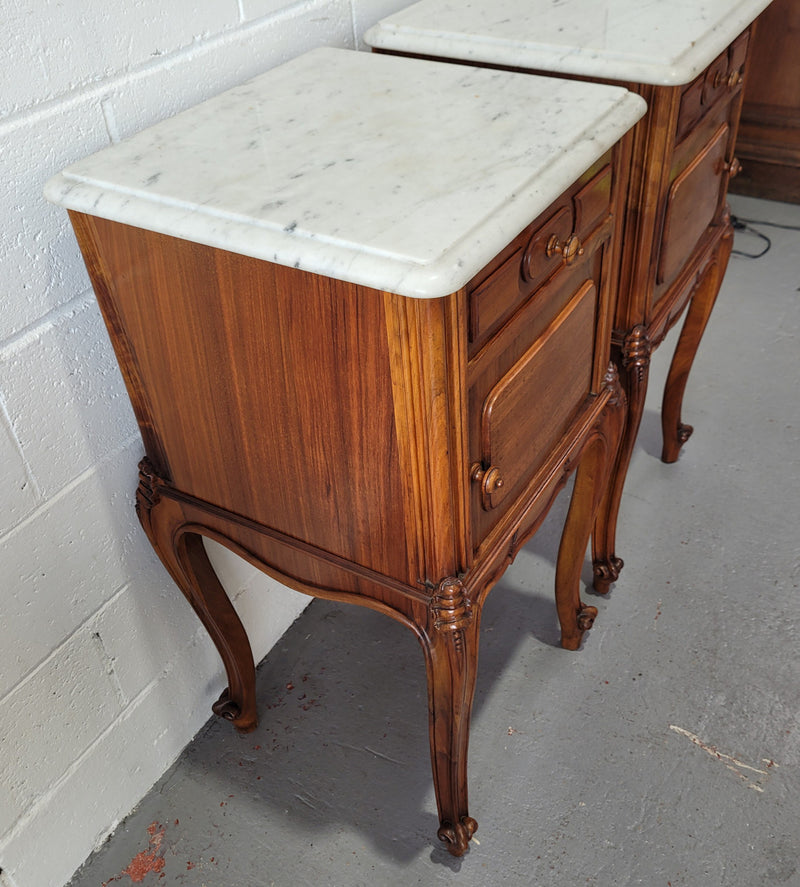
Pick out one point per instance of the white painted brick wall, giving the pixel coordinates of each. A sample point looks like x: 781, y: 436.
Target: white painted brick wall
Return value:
x: 76, y: 380
x: 58, y: 47
x: 105, y: 672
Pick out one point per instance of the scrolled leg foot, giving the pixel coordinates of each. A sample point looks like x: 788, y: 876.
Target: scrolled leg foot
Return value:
x: 572, y: 632
x: 606, y: 572
x: 230, y: 710
x: 457, y: 837
x: 591, y: 485
x: 672, y: 447
x: 586, y: 617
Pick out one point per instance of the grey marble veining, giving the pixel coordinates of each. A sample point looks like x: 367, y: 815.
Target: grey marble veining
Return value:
x: 664, y: 42
x: 394, y: 173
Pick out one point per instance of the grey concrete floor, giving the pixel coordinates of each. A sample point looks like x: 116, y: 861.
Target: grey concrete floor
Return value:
x: 665, y: 752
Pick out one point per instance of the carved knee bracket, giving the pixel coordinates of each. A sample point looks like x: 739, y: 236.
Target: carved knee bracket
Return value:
x: 450, y: 606
x: 636, y: 351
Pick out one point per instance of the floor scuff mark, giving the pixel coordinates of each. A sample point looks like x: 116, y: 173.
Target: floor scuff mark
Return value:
x: 733, y: 764
x: 381, y: 755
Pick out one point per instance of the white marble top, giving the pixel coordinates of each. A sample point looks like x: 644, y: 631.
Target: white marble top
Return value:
x: 665, y: 42
x: 398, y: 174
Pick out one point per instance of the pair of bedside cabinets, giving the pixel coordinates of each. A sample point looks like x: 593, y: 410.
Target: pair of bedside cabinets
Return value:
x: 365, y: 306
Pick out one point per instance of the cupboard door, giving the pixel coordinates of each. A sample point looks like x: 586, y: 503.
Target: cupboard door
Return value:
x: 529, y: 409
x: 692, y: 204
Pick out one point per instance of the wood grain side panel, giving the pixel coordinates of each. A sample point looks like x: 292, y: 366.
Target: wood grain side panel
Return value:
x: 270, y: 390
x: 428, y: 357
x: 84, y: 227
x: 653, y: 137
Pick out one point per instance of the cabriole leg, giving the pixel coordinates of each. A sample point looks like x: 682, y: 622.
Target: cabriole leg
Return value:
x: 591, y: 484
x: 450, y: 644
x: 182, y: 553
x: 697, y: 315
x: 635, y: 360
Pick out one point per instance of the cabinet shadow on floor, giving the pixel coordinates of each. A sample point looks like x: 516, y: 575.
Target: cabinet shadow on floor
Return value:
x: 342, y: 742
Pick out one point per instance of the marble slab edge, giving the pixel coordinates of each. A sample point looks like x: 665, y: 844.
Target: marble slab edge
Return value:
x: 446, y: 273
x: 403, y: 33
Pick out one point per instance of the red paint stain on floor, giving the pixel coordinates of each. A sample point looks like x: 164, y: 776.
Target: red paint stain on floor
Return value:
x: 147, y: 861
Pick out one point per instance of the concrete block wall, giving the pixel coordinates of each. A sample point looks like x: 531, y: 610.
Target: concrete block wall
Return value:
x: 105, y: 673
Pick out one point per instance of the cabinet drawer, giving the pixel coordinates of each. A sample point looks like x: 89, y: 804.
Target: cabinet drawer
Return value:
x: 691, y: 108
x: 692, y: 204
x: 718, y: 82
x: 542, y: 251
x: 530, y: 407
x: 593, y: 203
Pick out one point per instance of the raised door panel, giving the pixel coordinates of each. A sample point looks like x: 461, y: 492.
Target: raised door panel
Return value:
x: 692, y: 204
x: 531, y: 407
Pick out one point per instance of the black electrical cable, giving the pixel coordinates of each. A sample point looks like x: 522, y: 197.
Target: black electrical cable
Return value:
x: 744, y: 225
x: 740, y: 224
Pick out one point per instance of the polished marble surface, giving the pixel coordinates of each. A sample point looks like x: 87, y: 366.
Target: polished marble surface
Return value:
x: 638, y: 41
x: 393, y: 173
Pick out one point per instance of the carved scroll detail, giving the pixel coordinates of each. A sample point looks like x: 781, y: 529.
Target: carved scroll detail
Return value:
x: 612, y: 383
x: 586, y: 616
x: 457, y: 837
x: 225, y: 707
x: 606, y: 572
x: 148, y: 493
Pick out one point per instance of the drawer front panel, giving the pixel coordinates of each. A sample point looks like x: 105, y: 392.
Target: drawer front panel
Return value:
x: 692, y: 204
x: 592, y: 203
x: 691, y: 109
x: 529, y: 409
x: 542, y: 252
x: 717, y: 83
x: 518, y: 277
x: 540, y: 257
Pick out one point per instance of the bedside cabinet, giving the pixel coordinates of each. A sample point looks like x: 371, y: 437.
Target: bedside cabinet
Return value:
x: 365, y: 348
x: 689, y: 63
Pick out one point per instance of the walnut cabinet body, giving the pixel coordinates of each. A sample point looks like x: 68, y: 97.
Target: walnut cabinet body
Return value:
x: 368, y: 447
x: 676, y: 242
